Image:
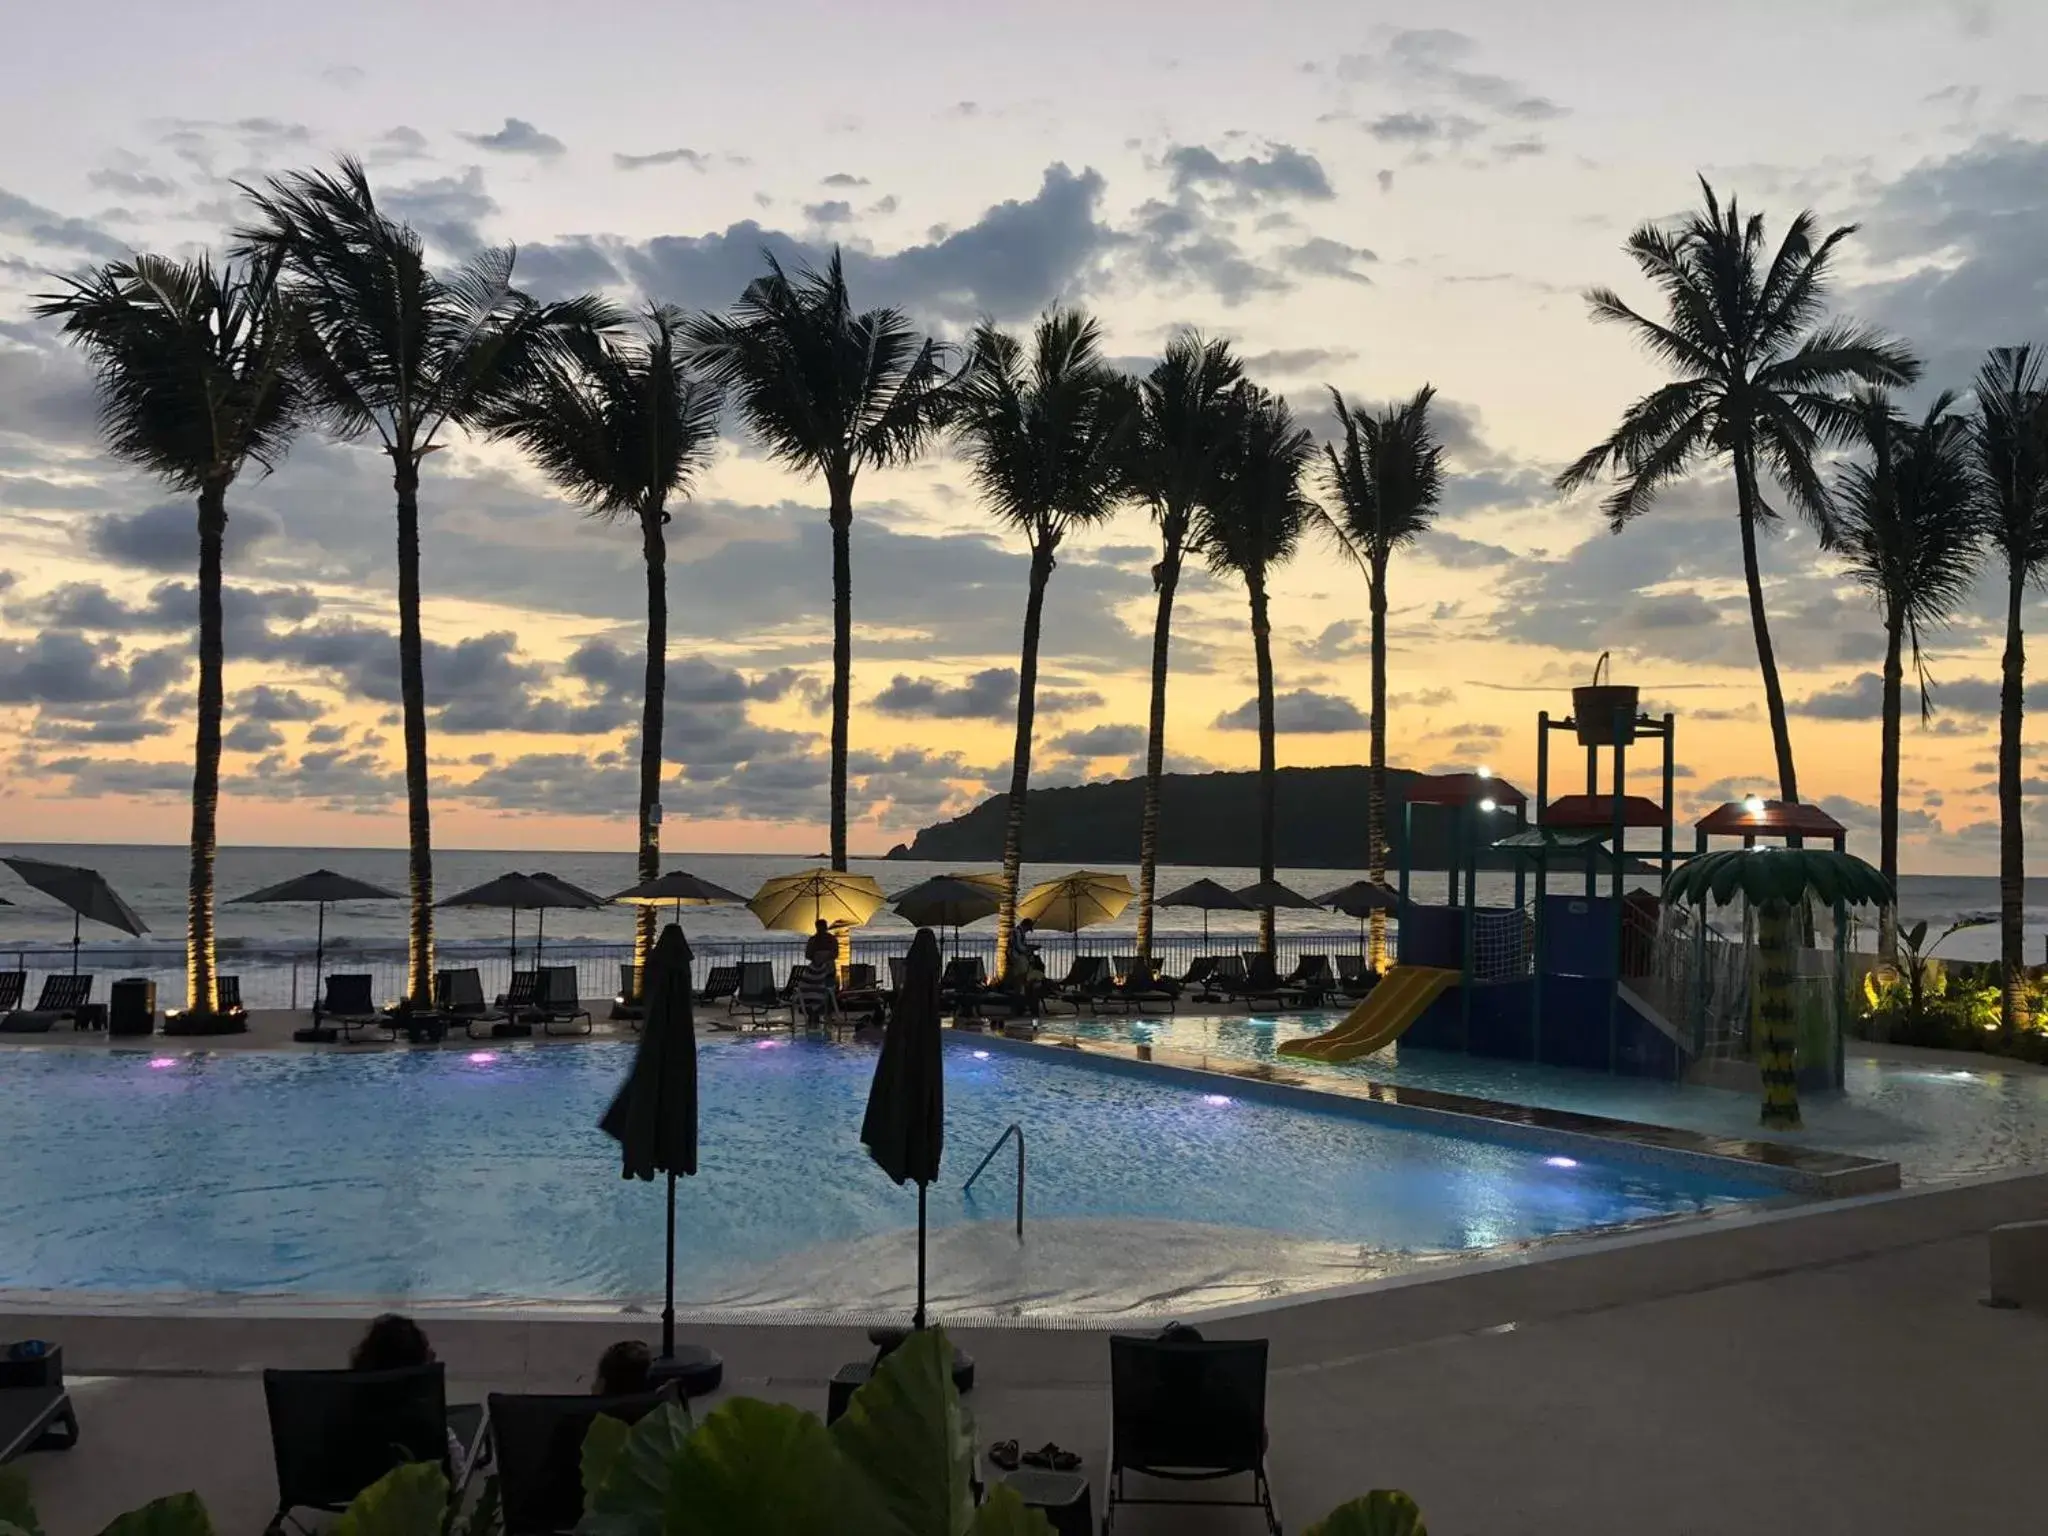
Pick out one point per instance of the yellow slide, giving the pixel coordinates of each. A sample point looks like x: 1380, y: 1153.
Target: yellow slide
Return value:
x: 1398, y: 1001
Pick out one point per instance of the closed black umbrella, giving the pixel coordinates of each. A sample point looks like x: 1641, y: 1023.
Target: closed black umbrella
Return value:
x: 905, y: 1126
x: 654, y: 1116
x: 85, y: 892
x: 1210, y: 896
x: 319, y: 887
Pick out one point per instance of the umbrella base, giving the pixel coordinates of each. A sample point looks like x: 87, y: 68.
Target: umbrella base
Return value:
x: 696, y: 1371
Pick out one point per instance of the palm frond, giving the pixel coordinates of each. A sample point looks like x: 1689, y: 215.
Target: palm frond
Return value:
x: 1260, y: 510
x: 1388, y: 479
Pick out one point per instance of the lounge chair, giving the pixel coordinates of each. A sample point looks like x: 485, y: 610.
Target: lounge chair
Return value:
x: 1226, y: 977
x: 1187, y: 1410
x: 537, y: 1442
x: 860, y: 977
x: 1086, y: 981
x: 349, y: 1003
x: 1311, y: 977
x: 720, y: 983
x: 459, y: 994
x: 963, y: 983
x: 1199, y: 971
x: 896, y: 964
x: 758, y: 996
x: 62, y: 1000
x: 1257, y: 978
x: 36, y: 1418
x: 557, y: 1001
x: 333, y: 1433
x: 227, y: 994
x: 1354, y: 977
x: 13, y: 984
x: 516, y: 1004
x: 1141, y: 991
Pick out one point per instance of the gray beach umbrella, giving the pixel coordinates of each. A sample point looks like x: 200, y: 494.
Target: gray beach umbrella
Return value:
x: 904, y: 1129
x: 1271, y: 893
x: 1210, y: 896
x: 1360, y: 899
x: 320, y: 887
x: 678, y: 886
x: 654, y: 1116
x: 947, y: 901
x: 516, y: 893
x: 85, y: 892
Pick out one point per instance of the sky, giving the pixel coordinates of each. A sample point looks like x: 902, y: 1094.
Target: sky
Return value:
x: 1355, y: 202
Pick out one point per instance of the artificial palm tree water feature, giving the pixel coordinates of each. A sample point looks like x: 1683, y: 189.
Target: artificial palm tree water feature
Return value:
x: 191, y: 364
x: 1776, y: 884
x: 1044, y: 432
x: 388, y: 346
x: 623, y: 425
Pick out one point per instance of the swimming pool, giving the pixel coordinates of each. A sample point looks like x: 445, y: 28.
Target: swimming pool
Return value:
x: 480, y: 1176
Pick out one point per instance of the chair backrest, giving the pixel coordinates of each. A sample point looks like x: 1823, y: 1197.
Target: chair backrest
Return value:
x: 1258, y: 967
x: 538, y: 1439
x: 961, y: 971
x: 1201, y: 968
x: 757, y: 979
x: 1195, y: 1405
x: 559, y: 987
x: 333, y: 1433
x: 1313, y: 968
x: 721, y: 981
x: 64, y: 993
x: 459, y: 991
x: 13, y: 984
x: 1229, y: 968
x: 1123, y: 965
x: 349, y: 995
x: 860, y: 977
x: 524, y: 988
x: 227, y: 993
x: 896, y: 964
x: 1094, y: 970
x: 1350, y: 967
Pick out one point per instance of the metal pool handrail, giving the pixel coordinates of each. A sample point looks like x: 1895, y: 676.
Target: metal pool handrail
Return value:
x: 1017, y: 1131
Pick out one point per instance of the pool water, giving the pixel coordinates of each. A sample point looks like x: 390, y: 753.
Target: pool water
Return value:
x: 481, y: 1175
x: 1937, y: 1121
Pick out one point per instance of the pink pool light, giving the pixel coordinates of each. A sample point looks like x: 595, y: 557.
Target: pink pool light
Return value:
x: 160, y: 1062
x: 483, y: 1058
x: 767, y: 1045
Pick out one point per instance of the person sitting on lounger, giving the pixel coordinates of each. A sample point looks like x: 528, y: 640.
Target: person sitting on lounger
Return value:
x: 1023, y: 971
x: 393, y: 1342
x: 817, y: 987
x: 622, y: 1370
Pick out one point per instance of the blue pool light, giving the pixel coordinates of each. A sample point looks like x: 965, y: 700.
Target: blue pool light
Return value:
x: 981, y: 1055
x: 1562, y: 1162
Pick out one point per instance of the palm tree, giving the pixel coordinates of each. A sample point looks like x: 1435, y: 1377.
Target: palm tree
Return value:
x: 1759, y: 376
x: 1252, y: 523
x: 1182, y: 431
x: 623, y: 426
x: 1910, y: 533
x: 829, y: 392
x: 392, y: 349
x: 1386, y: 483
x: 2011, y: 443
x: 1045, y: 436
x: 192, y: 366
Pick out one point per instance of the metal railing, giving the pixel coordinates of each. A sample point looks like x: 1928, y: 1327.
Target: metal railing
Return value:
x: 1017, y: 1131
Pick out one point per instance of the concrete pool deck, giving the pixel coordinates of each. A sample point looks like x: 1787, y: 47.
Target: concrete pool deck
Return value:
x: 1827, y: 1369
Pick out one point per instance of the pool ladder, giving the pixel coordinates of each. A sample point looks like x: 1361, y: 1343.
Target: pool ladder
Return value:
x: 1017, y: 1131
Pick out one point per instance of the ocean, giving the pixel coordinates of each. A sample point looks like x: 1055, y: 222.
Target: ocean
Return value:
x: 270, y: 941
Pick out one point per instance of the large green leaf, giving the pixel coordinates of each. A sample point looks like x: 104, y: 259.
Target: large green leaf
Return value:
x: 181, y: 1514
x: 770, y: 1469
x: 911, y: 1439
x: 1006, y: 1514
x: 17, y: 1509
x: 603, y: 1443
x: 630, y: 1497
x: 486, y: 1515
x: 1383, y: 1512
x: 411, y: 1500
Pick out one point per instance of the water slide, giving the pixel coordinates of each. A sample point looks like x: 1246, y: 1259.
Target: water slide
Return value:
x: 1401, y: 998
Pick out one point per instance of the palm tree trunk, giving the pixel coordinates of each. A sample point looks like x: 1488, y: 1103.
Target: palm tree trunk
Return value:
x: 1766, y: 658
x: 1020, y: 760
x: 1888, y: 783
x: 412, y: 688
x: 842, y: 656
x: 201, y: 993
x: 2012, y: 852
x: 1376, y: 775
x: 653, y: 700
x: 1776, y: 1038
x: 1165, y: 578
x: 1262, y: 649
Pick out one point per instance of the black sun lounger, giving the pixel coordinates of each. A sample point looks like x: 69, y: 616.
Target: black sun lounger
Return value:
x: 1187, y: 1410
x: 36, y: 1419
x: 537, y: 1443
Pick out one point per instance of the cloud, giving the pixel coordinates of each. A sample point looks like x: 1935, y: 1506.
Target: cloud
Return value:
x: 448, y: 210
x: 61, y: 667
x: 1455, y: 553
x: 53, y: 231
x: 1432, y: 62
x: 1303, y: 712
x: 694, y: 159
x: 1520, y: 149
x: 1282, y: 172
x: 264, y: 702
x: 1296, y: 362
x: 517, y: 137
x: 836, y: 211
x: 165, y: 537
x: 987, y: 695
x: 1320, y: 257
x: 399, y: 143
x: 1421, y: 129
x: 252, y: 736
x: 132, y: 183
x: 842, y: 179
x: 1101, y: 741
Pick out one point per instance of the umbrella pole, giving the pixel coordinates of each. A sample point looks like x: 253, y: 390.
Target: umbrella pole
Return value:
x: 74, y: 945
x: 540, y: 936
x: 319, y: 953
x: 917, y: 1317
x: 668, y: 1306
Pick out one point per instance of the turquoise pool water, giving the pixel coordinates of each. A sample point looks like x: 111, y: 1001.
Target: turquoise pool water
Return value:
x: 453, y: 1174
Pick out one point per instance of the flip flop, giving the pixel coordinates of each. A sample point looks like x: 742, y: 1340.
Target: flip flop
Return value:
x: 1003, y: 1455
x: 1052, y: 1458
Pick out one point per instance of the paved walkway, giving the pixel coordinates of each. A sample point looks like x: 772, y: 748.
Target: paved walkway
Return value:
x: 1806, y: 1373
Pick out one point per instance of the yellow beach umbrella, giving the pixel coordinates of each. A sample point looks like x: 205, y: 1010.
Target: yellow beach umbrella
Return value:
x: 1076, y: 901
x: 797, y: 903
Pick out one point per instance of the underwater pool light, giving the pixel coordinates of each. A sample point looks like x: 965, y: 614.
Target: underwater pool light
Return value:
x: 483, y: 1058
x: 1562, y: 1162
x: 160, y: 1062
x: 981, y: 1055
x: 1215, y: 1098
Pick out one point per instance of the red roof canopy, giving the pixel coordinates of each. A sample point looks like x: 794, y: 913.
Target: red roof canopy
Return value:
x: 1596, y: 812
x: 1774, y: 819
x: 1462, y: 789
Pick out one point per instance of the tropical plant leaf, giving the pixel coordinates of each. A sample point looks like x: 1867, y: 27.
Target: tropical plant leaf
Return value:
x: 486, y: 1515
x: 181, y: 1514
x: 603, y: 1444
x: 628, y: 1499
x: 17, y: 1509
x: 1006, y: 1514
x: 767, y: 1468
x: 912, y: 1440
x: 1383, y: 1512
x: 411, y: 1500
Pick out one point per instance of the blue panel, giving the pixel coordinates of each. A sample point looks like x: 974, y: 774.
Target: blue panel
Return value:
x: 1578, y: 936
